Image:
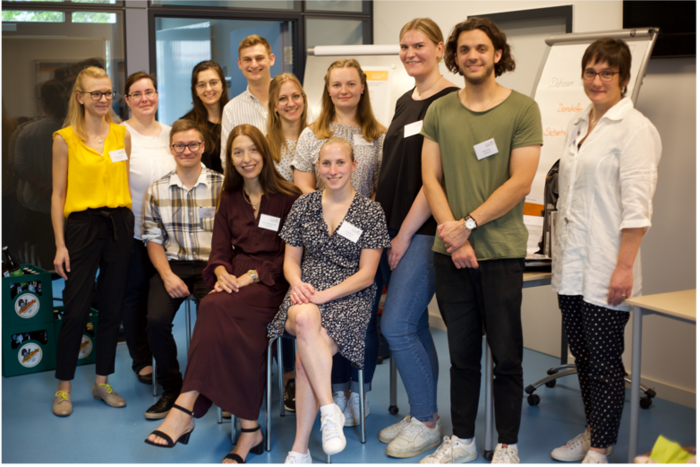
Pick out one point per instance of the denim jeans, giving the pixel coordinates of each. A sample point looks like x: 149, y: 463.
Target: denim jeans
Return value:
x: 344, y: 376
x: 410, y: 287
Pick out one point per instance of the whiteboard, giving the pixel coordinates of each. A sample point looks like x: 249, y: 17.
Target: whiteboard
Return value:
x: 559, y: 89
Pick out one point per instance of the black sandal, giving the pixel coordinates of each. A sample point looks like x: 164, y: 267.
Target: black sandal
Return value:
x: 257, y: 449
x: 184, y: 438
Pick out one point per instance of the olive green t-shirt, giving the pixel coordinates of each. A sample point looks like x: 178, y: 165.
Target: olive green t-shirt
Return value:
x: 469, y: 182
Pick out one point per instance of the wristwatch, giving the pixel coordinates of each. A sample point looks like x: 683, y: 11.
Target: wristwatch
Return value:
x: 253, y: 274
x: 470, y: 223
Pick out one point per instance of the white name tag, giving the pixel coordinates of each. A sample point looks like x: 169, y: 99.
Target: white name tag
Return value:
x: 412, y: 128
x: 360, y: 141
x: 350, y: 232
x: 269, y: 222
x: 118, y: 155
x: 206, y: 213
x: 485, y: 149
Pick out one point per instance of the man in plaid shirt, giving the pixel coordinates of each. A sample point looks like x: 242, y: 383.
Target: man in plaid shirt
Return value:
x: 177, y: 229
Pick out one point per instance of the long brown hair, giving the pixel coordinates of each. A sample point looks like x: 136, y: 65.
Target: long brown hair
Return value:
x: 371, y: 128
x: 270, y: 180
x: 199, y: 113
x: 274, y: 122
x: 76, y: 112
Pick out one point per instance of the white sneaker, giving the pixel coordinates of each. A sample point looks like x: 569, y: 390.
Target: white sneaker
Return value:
x: 452, y: 451
x: 414, y: 439
x: 352, y: 410
x: 505, y: 454
x: 332, y: 429
x: 388, y: 434
x: 296, y: 458
x: 595, y: 458
x: 340, y: 400
x: 575, y: 450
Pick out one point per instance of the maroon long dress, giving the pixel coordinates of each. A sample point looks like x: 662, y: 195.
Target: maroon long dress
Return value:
x: 226, y: 362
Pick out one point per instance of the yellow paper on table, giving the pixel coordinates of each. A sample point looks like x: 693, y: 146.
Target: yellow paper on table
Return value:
x: 669, y: 452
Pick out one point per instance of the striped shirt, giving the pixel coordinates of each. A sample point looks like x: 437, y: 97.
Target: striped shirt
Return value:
x: 182, y: 220
x: 244, y: 108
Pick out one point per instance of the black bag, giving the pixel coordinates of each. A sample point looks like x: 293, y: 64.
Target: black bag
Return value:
x: 551, y: 196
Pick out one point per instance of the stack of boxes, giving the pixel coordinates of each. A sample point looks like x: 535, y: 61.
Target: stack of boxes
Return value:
x: 30, y: 324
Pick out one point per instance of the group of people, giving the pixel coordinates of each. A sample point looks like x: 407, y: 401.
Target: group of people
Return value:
x: 295, y: 230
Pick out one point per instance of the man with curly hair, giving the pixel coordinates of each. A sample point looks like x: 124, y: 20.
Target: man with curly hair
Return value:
x: 480, y: 154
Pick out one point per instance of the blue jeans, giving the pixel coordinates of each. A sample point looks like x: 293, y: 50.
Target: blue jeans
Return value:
x: 410, y: 287
x: 344, y: 375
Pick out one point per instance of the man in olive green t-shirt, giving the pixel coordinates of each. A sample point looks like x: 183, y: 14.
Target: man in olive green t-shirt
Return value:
x: 480, y: 154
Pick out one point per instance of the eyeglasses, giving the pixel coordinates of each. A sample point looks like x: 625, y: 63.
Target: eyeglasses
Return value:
x: 96, y: 96
x: 180, y: 148
x: 148, y: 94
x: 285, y: 99
x: 606, y: 75
x: 212, y: 83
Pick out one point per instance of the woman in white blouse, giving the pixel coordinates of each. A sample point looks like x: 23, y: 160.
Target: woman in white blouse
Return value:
x: 150, y: 161
x: 607, y: 178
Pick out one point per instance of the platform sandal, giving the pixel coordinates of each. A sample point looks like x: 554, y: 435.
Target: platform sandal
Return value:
x: 257, y: 449
x: 184, y: 438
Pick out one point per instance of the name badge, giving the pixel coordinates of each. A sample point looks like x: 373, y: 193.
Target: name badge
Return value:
x: 360, y: 141
x: 206, y: 213
x: 412, y: 128
x: 485, y: 149
x: 118, y: 155
x: 269, y: 222
x: 350, y: 232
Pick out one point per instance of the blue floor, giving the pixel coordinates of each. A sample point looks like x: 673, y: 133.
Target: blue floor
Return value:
x: 96, y: 433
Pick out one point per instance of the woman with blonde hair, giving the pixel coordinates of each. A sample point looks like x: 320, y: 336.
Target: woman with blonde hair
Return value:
x: 346, y: 112
x: 93, y: 226
x: 286, y: 119
x: 407, y: 268
x: 226, y: 363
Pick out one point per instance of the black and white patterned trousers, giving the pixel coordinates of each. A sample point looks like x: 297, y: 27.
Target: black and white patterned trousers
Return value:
x: 596, y: 339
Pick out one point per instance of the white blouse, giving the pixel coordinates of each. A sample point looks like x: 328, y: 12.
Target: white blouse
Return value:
x: 150, y: 160
x: 605, y: 186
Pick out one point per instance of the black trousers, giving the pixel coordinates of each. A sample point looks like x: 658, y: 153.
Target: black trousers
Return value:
x: 597, y: 341
x: 161, y: 313
x: 95, y: 238
x: 472, y: 301
x: 136, y: 307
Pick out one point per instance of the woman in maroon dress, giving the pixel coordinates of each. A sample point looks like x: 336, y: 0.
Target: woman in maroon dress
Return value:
x: 245, y: 270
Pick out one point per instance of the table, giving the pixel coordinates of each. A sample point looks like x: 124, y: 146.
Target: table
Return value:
x: 677, y: 305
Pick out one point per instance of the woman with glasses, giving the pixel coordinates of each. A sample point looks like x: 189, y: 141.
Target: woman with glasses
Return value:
x: 607, y: 178
x: 150, y: 160
x: 93, y: 226
x: 226, y: 363
x: 209, y: 96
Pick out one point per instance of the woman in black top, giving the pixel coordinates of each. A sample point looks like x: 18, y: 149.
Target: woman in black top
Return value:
x: 409, y: 263
x: 209, y: 96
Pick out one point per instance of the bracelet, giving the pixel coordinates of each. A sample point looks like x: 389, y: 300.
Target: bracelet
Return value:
x: 254, y: 275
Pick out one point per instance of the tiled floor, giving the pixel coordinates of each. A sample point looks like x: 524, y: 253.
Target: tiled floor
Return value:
x: 96, y: 433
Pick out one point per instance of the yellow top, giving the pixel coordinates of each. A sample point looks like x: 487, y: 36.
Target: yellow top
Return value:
x: 94, y: 180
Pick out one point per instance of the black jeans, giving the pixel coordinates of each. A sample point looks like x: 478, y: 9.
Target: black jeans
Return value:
x: 474, y: 301
x: 136, y: 307
x: 161, y: 313
x: 95, y: 238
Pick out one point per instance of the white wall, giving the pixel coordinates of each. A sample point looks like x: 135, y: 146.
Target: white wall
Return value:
x: 668, y: 251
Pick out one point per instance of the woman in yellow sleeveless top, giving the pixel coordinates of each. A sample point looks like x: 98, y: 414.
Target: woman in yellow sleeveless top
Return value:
x: 93, y: 226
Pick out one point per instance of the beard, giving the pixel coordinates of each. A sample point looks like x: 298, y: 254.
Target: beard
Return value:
x: 477, y: 80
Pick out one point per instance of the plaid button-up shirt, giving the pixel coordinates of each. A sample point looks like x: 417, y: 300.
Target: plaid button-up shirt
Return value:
x: 182, y: 220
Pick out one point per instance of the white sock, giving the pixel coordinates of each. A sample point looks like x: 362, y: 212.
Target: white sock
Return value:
x: 466, y: 440
x: 303, y: 456
x: 596, y: 455
x: 509, y: 445
x: 328, y: 409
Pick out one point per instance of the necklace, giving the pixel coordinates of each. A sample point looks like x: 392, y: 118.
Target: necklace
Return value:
x: 249, y: 200
x: 421, y: 93
x: 485, y: 106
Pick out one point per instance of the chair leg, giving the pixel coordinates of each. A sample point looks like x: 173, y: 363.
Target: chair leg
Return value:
x: 363, y: 432
x: 155, y: 382
x: 328, y: 459
x: 268, y: 397
x: 488, y: 402
x: 280, y: 379
x: 393, y: 407
x: 219, y: 415
x: 188, y: 323
x: 233, y: 429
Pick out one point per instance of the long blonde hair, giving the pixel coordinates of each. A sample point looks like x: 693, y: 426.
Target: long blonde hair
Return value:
x: 371, y: 128
x: 76, y: 111
x: 274, y: 122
